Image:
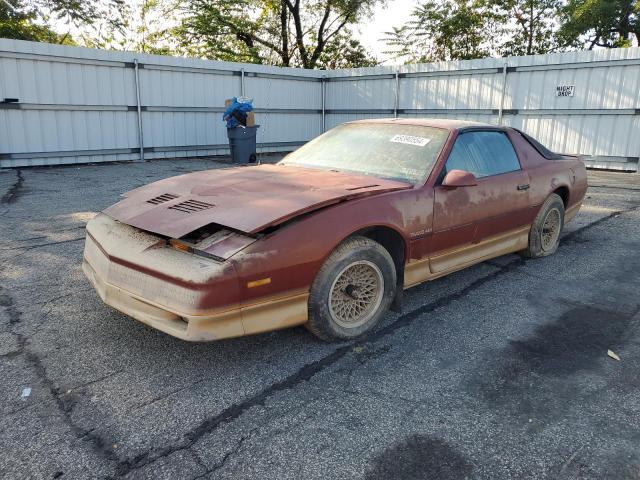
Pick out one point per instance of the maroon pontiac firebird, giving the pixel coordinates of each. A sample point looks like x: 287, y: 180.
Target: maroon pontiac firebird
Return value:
x: 330, y: 236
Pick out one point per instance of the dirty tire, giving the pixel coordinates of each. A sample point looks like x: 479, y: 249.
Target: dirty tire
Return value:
x: 544, y: 236
x: 352, y: 290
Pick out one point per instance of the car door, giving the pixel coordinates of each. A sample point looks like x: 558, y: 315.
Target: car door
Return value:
x: 474, y: 223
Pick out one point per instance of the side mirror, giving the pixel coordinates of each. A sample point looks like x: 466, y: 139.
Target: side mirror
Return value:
x: 459, y: 178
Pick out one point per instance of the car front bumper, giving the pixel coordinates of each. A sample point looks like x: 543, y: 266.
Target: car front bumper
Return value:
x: 135, y: 273
x: 167, y: 289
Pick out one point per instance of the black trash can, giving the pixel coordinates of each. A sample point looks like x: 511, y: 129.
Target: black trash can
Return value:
x: 242, y: 141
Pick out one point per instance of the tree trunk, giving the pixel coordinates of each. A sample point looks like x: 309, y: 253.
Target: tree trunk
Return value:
x: 531, y: 29
x: 284, y: 31
x: 297, y: 21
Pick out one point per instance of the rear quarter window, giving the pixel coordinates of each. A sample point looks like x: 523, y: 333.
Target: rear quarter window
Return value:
x: 541, y: 149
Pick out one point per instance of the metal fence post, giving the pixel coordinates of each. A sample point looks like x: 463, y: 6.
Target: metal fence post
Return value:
x: 323, y: 90
x: 139, y: 108
x: 242, y: 82
x: 503, y: 93
x: 395, y: 107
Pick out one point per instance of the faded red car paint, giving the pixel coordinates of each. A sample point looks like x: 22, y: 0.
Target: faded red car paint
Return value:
x: 248, y: 199
x: 297, y: 216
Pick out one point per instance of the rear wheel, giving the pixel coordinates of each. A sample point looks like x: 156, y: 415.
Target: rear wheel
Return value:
x: 352, y: 290
x: 544, y: 236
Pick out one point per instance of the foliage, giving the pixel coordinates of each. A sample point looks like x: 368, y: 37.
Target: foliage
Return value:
x: 275, y: 32
x: 345, y: 52
x: 151, y: 33
x: 319, y: 33
x: 96, y: 24
x: 600, y: 23
x: 466, y: 29
x: 43, y: 20
x: 444, y: 30
x: 20, y: 22
x: 528, y: 26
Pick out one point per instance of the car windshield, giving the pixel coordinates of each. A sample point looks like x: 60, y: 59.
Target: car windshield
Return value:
x: 387, y: 150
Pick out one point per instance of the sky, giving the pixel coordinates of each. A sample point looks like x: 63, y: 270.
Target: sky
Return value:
x: 394, y: 14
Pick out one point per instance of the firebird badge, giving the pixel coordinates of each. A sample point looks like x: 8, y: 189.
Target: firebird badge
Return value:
x: 418, y: 234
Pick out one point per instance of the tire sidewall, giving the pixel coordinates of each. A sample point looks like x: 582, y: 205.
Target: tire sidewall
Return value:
x: 321, y: 289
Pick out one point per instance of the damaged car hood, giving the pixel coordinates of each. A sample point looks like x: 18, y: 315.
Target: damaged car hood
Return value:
x: 247, y: 199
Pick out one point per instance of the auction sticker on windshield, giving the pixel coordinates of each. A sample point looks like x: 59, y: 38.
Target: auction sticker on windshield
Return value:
x: 410, y: 140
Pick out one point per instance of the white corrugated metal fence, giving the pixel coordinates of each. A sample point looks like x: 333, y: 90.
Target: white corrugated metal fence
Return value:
x: 75, y: 105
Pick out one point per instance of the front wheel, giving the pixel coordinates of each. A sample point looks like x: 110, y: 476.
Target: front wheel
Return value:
x: 544, y: 236
x: 352, y: 290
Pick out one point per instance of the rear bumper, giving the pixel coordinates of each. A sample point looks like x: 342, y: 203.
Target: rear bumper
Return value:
x: 171, y: 300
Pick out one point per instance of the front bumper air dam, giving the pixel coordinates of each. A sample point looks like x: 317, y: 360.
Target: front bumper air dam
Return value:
x: 137, y: 274
x: 151, y: 299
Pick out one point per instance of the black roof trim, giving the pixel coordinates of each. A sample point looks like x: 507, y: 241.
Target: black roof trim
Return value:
x: 482, y: 128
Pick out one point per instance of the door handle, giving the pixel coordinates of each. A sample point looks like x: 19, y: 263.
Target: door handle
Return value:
x: 524, y: 186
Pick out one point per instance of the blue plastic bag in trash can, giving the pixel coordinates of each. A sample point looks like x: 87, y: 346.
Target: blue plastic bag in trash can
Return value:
x: 236, y: 113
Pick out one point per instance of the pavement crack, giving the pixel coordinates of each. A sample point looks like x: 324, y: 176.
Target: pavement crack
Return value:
x: 169, y: 394
x: 311, y: 369
x: 28, y: 239
x: 570, y: 460
x: 15, y: 190
x: 11, y: 354
x: 94, y: 381
x: 64, y: 406
x: 38, y: 245
x: 233, y: 412
x: 100, y: 445
x: 302, y: 375
x: 48, y: 230
x: 231, y: 453
x: 196, y: 457
x: 6, y: 301
x: 103, y: 447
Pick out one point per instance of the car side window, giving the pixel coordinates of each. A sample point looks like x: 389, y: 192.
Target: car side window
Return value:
x: 483, y: 154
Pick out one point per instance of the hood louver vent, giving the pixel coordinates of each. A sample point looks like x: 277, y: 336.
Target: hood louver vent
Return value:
x: 191, y: 206
x: 165, y: 197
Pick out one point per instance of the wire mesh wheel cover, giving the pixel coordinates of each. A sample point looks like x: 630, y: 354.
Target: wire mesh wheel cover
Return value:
x: 550, y: 229
x: 356, y: 294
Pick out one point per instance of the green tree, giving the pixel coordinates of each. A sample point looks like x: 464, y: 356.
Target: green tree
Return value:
x: 20, y: 22
x: 345, y: 52
x: 151, y: 36
x: 467, y: 29
x: 444, y: 30
x: 600, y: 23
x: 528, y: 26
x: 40, y: 20
x: 144, y: 26
x: 275, y: 32
x: 95, y: 24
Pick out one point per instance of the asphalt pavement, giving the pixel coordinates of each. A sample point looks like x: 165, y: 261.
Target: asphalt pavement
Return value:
x: 499, y: 371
